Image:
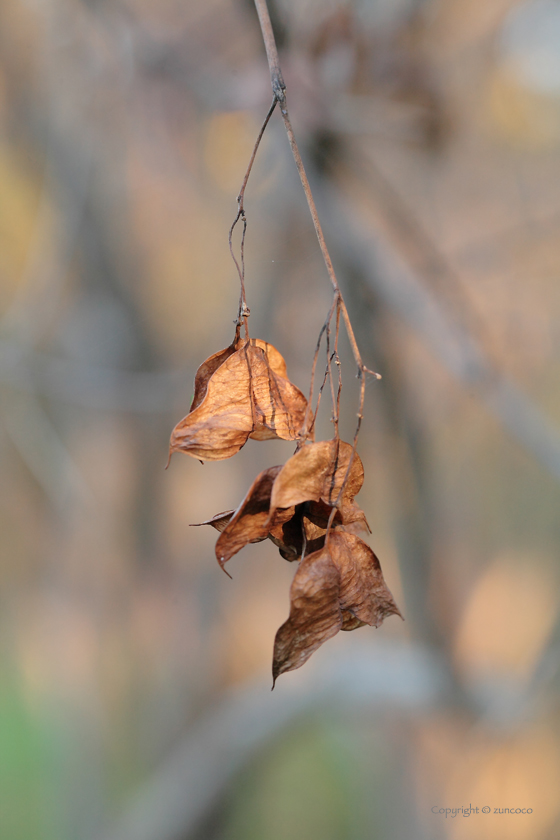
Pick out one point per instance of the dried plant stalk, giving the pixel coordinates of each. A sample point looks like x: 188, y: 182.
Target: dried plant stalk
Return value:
x: 307, y: 506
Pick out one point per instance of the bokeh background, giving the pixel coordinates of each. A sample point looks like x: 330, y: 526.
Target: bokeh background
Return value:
x: 135, y: 695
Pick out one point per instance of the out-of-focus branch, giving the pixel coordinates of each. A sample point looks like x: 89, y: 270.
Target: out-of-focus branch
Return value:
x: 403, y: 231
x: 90, y: 386
x: 172, y: 805
x: 43, y: 451
x: 459, y: 352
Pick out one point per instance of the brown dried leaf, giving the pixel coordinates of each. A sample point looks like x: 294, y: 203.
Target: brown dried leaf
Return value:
x: 315, y: 614
x: 239, y: 394
x: 287, y: 536
x: 309, y: 519
x: 219, y: 521
x: 353, y: 518
x: 340, y: 586
x: 222, y: 423
x: 279, y: 407
x: 316, y: 473
x: 363, y: 592
x: 275, y: 359
x: 206, y: 370
x: 250, y: 522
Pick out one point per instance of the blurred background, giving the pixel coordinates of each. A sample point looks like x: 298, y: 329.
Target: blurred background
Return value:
x: 135, y: 681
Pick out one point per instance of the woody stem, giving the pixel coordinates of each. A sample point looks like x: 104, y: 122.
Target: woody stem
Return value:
x: 279, y: 90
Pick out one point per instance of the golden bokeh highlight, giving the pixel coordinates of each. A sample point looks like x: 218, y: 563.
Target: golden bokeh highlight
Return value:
x: 523, y: 772
x: 507, y: 618
x: 522, y: 116
x: 459, y: 765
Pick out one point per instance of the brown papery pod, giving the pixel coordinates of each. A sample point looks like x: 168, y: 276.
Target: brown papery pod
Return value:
x: 315, y: 614
x: 250, y: 522
x: 211, y: 365
x: 317, y: 473
x: 278, y: 406
x: 239, y: 393
x: 218, y: 521
x: 208, y: 368
x: 288, y: 536
x: 339, y: 587
x: 304, y: 532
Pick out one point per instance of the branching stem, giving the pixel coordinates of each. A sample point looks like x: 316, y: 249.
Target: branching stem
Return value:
x: 279, y: 90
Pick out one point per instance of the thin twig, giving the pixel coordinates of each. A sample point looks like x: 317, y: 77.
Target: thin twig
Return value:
x: 330, y: 357
x: 241, y: 195
x: 307, y: 432
x: 319, y: 395
x: 337, y: 362
x: 244, y: 310
x: 351, y: 461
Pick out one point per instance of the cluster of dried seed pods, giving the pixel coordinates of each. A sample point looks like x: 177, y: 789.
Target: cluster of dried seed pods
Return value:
x: 306, y: 507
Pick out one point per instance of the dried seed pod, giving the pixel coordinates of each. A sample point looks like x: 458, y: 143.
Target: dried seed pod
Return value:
x: 208, y: 368
x: 240, y: 392
x: 339, y: 587
x: 317, y: 472
x: 218, y: 521
x: 250, y: 522
x: 304, y: 532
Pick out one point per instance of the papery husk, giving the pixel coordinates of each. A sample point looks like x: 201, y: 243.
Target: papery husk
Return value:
x: 341, y: 586
x: 240, y: 392
x: 317, y: 472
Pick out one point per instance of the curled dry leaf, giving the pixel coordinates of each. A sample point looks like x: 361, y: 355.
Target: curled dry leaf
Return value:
x: 317, y: 473
x: 211, y: 365
x: 296, y: 530
x: 222, y: 422
x: 240, y: 392
x: 315, y: 614
x: 275, y: 359
x: 219, y: 521
x: 304, y: 532
x: 250, y: 522
x: 205, y: 372
x: 353, y: 517
x: 287, y: 536
x: 278, y: 406
x: 363, y: 592
x: 339, y: 587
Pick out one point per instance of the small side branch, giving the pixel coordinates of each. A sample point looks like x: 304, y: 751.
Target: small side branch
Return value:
x: 244, y: 310
x: 241, y: 196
